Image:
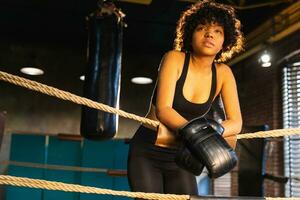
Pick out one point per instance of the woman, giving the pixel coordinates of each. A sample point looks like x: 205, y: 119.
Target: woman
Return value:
x: 190, y: 78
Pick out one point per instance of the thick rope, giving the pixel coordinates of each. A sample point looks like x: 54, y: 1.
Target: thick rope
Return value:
x: 53, y: 185
x: 66, y: 187
x: 271, y: 133
x: 282, y: 198
x: 51, y: 91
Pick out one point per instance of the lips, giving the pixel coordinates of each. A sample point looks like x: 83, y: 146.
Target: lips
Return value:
x: 208, y: 43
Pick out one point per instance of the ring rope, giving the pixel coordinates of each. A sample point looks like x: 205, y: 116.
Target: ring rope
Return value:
x: 67, y: 187
x: 53, y: 185
x: 271, y: 133
x: 51, y: 91
x: 282, y: 198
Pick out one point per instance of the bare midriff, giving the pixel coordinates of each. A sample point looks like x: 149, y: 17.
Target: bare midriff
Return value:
x: 168, y: 138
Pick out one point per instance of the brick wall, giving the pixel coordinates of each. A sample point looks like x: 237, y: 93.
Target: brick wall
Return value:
x: 260, y: 99
x: 261, y: 103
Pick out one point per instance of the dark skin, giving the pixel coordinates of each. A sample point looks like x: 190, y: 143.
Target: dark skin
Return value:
x: 207, y: 41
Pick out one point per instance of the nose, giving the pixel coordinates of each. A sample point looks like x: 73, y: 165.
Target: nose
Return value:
x: 208, y: 33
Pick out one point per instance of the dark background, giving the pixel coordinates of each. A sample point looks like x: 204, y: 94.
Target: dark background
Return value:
x: 52, y: 34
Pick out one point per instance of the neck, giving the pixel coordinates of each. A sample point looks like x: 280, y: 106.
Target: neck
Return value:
x: 202, y: 62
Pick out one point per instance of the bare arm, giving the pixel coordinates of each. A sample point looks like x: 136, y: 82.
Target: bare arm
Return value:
x: 233, y: 122
x: 167, y: 77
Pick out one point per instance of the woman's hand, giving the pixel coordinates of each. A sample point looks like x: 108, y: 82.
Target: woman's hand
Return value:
x: 166, y: 137
x: 231, y: 140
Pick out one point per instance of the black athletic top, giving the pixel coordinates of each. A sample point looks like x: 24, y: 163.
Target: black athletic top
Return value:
x: 187, y: 109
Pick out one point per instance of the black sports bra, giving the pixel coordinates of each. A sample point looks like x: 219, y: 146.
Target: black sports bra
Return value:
x: 187, y: 109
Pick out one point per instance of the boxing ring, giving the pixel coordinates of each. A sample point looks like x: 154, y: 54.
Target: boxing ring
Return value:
x: 51, y: 185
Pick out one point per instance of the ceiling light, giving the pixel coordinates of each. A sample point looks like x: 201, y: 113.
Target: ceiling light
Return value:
x: 82, y: 77
x: 296, y: 64
x: 141, y: 80
x: 32, y: 71
x: 265, y: 57
x: 267, y: 64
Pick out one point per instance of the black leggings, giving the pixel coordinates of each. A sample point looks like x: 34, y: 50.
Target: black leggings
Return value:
x: 152, y: 168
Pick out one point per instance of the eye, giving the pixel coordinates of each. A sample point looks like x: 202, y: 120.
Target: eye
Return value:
x: 219, y: 31
x: 199, y: 28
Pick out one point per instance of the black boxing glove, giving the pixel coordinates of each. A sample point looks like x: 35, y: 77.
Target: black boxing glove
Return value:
x: 185, y: 160
x: 216, y: 126
x: 208, y: 146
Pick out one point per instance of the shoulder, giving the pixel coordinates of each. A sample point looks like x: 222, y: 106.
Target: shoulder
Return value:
x: 174, y: 55
x: 223, y: 68
x: 224, y: 71
x: 173, y: 60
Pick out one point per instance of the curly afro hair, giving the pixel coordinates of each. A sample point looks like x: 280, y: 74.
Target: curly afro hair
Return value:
x: 206, y: 12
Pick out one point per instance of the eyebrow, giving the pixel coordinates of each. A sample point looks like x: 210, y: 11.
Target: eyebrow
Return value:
x: 216, y: 25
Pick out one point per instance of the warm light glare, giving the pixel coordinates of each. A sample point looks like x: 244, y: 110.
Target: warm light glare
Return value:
x: 32, y: 71
x: 265, y: 58
x: 82, y: 77
x: 296, y: 64
x: 267, y: 64
x: 141, y: 80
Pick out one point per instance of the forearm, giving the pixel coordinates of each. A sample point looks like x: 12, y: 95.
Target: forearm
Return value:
x: 232, y: 127
x: 170, y: 118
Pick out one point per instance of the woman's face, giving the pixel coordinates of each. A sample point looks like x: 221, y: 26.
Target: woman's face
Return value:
x: 208, y: 39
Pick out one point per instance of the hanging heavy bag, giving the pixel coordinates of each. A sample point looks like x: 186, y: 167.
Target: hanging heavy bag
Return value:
x: 102, y: 77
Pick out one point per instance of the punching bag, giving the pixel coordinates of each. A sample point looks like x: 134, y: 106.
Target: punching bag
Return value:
x: 103, y: 74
